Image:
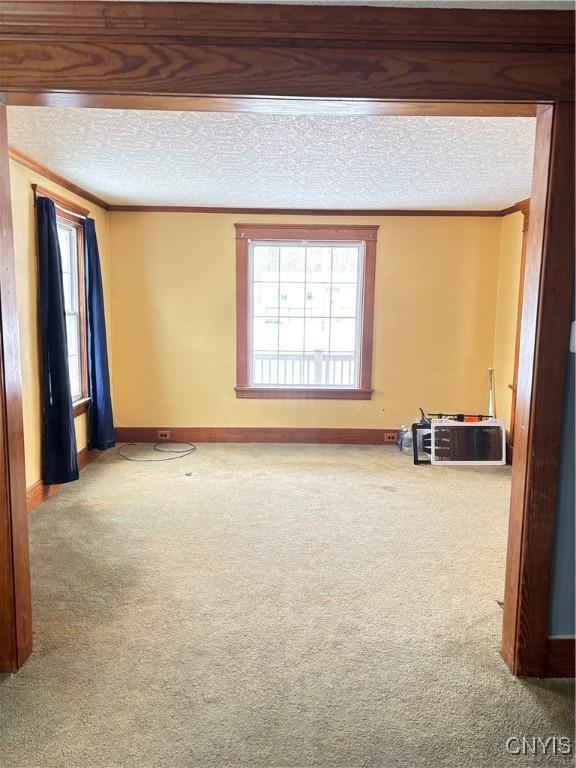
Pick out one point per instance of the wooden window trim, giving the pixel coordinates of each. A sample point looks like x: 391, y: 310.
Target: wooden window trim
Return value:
x: 245, y: 233
x: 75, y: 215
x: 81, y: 406
x: 64, y: 205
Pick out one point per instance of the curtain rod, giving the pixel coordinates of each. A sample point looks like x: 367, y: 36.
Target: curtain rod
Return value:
x: 60, y: 202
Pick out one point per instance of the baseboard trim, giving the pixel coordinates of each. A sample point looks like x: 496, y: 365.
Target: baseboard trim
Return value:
x: 38, y: 492
x: 321, y: 435
x: 560, y: 657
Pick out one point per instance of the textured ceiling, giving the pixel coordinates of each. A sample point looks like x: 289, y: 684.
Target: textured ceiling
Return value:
x: 281, y: 161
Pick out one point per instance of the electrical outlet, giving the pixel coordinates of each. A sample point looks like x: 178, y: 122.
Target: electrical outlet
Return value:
x: 163, y: 434
x: 390, y: 437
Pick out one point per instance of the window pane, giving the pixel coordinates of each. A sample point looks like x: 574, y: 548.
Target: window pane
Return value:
x: 64, y: 241
x: 304, y: 315
x: 72, y: 335
x: 319, y: 264
x: 292, y: 264
x: 67, y: 287
x: 68, y: 242
x: 341, y: 370
x: 291, y: 370
x: 344, y: 299
x: 264, y: 367
x: 265, y: 299
x: 342, y: 335
x: 317, y: 335
x: 265, y: 262
x: 291, y: 335
x: 345, y: 264
x: 292, y: 299
x: 74, y: 373
x: 317, y: 300
x: 265, y: 334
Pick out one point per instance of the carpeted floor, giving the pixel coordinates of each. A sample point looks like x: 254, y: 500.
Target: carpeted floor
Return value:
x: 278, y: 606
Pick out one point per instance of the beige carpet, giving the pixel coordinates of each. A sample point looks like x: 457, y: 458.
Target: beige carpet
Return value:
x: 278, y: 606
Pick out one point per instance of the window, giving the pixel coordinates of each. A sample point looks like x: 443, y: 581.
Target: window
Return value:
x: 305, y: 299
x: 70, y: 226
x: 71, y: 241
x: 71, y: 251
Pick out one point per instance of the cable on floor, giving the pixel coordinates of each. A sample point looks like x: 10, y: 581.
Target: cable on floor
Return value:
x: 179, y: 453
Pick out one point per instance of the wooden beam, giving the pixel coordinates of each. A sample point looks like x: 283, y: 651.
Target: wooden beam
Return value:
x: 227, y: 50
x: 164, y: 21
x: 274, y: 105
x: 15, y: 598
x: 545, y: 327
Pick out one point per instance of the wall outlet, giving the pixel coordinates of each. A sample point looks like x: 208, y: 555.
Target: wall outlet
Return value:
x: 390, y: 437
x: 163, y: 434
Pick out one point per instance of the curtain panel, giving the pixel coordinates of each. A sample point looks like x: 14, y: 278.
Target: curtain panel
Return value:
x: 101, y: 426
x: 59, y: 454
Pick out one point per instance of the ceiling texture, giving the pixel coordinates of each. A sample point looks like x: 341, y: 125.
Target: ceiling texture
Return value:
x: 137, y: 157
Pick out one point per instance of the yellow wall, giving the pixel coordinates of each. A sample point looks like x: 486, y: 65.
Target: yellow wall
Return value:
x: 26, y: 288
x: 446, y: 299
x: 173, y: 319
x: 506, y: 311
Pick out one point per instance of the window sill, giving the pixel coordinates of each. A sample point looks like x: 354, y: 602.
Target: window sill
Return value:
x: 81, y: 406
x: 289, y: 393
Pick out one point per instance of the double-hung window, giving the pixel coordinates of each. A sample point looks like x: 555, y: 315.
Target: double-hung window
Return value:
x: 71, y: 242
x: 305, y: 298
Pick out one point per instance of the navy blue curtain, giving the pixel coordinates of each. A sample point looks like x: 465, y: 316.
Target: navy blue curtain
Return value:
x: 59, y: 457
x: 101, y: 427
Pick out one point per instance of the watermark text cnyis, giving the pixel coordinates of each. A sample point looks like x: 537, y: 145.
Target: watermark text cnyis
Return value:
x: 539, y: 745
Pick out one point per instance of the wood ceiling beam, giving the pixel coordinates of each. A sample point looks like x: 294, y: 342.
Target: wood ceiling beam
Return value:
x: 164, y: 21
x: 274, y: 105
x: 175, y: 49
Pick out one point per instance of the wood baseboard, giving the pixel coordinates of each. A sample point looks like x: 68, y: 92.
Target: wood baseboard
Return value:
x: 560, y: 657
x: 325, y: 435
x: 39, y: 492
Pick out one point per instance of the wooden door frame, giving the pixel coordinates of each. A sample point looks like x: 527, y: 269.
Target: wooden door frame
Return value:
x: 336, y: 60
x: 15, y: 597
x: 522, y: 207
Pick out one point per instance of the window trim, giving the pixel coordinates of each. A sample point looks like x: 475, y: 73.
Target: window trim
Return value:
x: 304, y: 233
x: 74, y: 215
x: 79, y: 404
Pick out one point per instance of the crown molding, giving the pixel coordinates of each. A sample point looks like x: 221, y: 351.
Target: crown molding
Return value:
x: 522, y: 206
x: 343, y: 213
x: 42, y: 170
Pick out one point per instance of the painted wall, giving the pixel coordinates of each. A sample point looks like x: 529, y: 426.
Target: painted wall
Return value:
x: 563, y: 587
x: 506, y: 311
x: 27, y: 287
x: 173, y: 315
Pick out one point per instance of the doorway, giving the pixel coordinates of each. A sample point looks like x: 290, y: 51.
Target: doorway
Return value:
x: 473, y: 80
